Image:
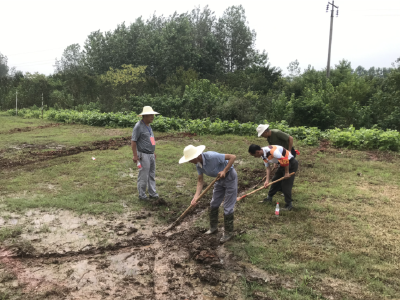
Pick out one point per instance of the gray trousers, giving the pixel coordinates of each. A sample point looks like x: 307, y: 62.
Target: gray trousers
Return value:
x: 147, y: 175
x: 286, y: 184
x: 226, y: 187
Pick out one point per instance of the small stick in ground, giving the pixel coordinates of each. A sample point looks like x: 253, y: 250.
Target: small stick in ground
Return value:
x: 129, y: 255
x: 84, y: 275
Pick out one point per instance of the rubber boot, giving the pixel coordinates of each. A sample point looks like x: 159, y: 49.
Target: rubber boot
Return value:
x: 288, y: 206
x: 228, y: 223
x: 213, y: 221
x: 267, y: 200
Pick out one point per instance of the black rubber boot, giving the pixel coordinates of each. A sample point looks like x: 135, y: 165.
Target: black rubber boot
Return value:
x: 213, y: 220
x: 228, y: 223
x: 288, y: 206
x: 267, y: 200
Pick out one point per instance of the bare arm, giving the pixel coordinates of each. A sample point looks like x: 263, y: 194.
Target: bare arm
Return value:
x: 290, y: 143
x: 231, y: 159
x: 134, y: 150
x: 287, y: 172
x: 200, y: 184
x: 268, y: 169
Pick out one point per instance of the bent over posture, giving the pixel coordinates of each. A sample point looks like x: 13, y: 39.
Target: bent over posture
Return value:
x: 277, y: 138
x: 287, y: 164
x: 214, y: 164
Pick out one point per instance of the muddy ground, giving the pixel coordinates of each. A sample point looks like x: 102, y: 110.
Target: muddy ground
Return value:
x: 67, y: 256
x: 58, y: 254
x: 35, y: 153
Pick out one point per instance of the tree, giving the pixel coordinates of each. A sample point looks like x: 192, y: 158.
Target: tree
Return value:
x: 207, y: 50
x: 74, y: 73
x: 123, y: 83
x: 294, y: 69
x: 3, y: 65
x: 235, y: 39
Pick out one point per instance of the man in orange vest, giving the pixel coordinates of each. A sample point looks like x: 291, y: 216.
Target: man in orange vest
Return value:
x: 287, y: 164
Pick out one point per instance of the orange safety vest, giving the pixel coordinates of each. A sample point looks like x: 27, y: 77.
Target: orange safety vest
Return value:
x: 283, y: 161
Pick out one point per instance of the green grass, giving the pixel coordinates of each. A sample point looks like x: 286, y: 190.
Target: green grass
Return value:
x: 8, y: 122
x: 9, y: 232
x: 344, y: 227
x: 341, y: 239
x: 64, y: 135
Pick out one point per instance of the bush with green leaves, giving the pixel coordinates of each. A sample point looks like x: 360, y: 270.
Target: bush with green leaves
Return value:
x: 364, y: 139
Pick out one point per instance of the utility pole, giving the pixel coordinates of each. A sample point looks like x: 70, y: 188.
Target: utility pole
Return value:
x: 16, y: 103
x: 328, y: 68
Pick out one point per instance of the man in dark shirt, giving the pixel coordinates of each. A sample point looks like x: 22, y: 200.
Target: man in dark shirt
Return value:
x: 276, y: 137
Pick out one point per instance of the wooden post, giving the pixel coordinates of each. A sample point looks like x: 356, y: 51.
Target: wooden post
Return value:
x: 42, y: 105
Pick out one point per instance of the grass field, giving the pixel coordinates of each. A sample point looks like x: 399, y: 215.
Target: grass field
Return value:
x: 341, y: 241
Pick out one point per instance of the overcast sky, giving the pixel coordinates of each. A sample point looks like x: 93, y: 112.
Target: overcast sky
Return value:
x: 34, y: 33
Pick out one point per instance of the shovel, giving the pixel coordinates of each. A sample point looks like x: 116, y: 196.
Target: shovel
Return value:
x: 190, y: 208
x: 261, y: 188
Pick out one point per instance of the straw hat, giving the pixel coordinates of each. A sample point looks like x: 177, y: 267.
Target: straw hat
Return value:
x: 261, y: 128
x: 147, y: 110
x: 191, y: 152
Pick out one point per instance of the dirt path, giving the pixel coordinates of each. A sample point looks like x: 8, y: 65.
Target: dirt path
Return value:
x: 83, y: 257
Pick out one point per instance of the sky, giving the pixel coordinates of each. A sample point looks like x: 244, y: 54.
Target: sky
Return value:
x: 34, y: 33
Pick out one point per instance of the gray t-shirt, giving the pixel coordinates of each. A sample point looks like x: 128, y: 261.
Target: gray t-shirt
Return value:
x: 141, y: 135
x: 213, y: 163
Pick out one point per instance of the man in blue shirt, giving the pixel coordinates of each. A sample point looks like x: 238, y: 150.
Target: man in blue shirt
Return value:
x: 214, y: 164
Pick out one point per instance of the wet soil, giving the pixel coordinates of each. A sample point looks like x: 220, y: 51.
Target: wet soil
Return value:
x: 325, y: 147
x: 117, y: 257
x: 378, y: 155
x: 31, y: 156
x: 254, y: 178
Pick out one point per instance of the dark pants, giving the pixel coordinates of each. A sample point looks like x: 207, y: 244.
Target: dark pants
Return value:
x: 286, y: 184
x: 293, y: 152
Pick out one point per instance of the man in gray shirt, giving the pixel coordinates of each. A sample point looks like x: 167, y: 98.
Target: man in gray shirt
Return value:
x: 215, y: 164
x: 143, y: 148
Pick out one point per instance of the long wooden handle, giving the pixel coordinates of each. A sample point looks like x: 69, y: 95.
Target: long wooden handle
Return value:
x: 209, y: 187
x: 192, y: 206
x: 261, y: 188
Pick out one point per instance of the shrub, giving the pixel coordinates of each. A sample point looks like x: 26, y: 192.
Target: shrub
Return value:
x: 348, y: 137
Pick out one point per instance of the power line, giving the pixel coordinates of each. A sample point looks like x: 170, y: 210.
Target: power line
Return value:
x: 34, y: 62
x: 33, y: 52
x: 32, y: 66
x: 378, y: 15
x: 374, y: 9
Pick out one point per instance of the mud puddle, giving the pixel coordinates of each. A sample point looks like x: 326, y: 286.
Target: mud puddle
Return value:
x: 31, y: 156
x: 61, y: 255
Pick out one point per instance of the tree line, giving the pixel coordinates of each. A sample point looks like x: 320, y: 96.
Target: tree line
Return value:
x: 195, y: 65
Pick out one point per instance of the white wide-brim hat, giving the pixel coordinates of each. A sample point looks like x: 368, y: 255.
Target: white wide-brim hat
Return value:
x: 261, y: 128
x: 147, y: 110
x: 191, y: 152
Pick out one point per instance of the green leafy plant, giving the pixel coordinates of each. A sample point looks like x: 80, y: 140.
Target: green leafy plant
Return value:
x: 363, y: 139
